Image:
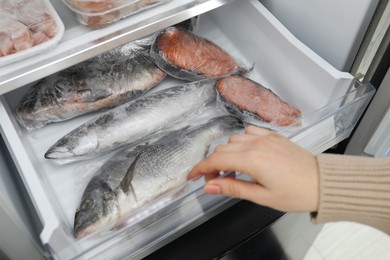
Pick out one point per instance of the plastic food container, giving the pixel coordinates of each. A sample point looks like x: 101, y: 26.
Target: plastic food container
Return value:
x: 27, y: 27
x: 98, y: 13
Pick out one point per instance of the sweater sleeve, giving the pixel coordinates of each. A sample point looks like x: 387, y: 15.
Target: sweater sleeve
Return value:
x: 354, y: 188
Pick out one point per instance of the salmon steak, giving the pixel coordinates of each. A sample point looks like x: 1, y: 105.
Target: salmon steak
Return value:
x: 184, y: 55
x: 248, y: 99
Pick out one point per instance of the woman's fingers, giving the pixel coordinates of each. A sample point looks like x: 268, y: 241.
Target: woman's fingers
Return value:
x: 216, y: 162
x: 232, y: 156
x: 254, y: 130
x: 286, y: 175
x: 238, y: 189
x: 231, y: 147
x: 240, y: 138
x: 251, y: 133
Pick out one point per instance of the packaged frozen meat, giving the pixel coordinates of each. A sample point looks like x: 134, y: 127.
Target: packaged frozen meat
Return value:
x: 254, y: 103
x: 27, y: 27
x: 98, y: 13
x: 185, y: 55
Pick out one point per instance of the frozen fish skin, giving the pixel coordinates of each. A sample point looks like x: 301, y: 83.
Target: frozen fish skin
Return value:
x: 184, y: 55
x: 105, y: 81
x: 132, y: 121
x: 248, y: 100
x: 131, y: 179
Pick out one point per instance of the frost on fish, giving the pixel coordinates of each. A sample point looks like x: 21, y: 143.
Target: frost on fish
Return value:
x: 254, y: 103
x: 130, y: 179
x: 133, y: 121
x: 184, y: 55
x: 105, y: 81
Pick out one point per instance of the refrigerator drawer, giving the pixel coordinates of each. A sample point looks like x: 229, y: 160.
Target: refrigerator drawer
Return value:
x: 331, y: 102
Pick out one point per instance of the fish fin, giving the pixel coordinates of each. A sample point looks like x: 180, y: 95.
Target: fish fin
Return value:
x: 172, y: 134
x: 208, y: 151
x: 92, y: 95
x: 133, y: 192
x: 126, y: 184
x: 126, y: 181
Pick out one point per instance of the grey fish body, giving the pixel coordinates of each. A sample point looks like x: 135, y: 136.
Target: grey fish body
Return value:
x: 146, y: 173
x: 105, y: 81
x: 132, y: 121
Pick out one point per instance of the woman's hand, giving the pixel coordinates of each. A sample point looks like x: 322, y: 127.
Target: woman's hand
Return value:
x: 286, y: 175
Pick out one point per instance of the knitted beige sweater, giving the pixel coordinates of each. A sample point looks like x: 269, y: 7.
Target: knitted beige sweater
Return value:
x: 355, y: 189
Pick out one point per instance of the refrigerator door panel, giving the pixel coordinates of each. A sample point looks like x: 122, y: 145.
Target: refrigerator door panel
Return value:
x: 379, y: 145
x: 371, y: 137
x: 331, y: 102
x: 327, y: 26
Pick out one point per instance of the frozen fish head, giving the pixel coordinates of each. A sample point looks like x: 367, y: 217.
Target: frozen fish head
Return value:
x: 98, y: 208
x: 73, y: 144
x: 100, y: 203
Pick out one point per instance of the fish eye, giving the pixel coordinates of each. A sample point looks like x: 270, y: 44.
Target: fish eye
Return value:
x: 87, y: 204
x: 107, y: 196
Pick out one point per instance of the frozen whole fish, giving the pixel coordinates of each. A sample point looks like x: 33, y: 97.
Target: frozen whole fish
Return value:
x: 107, y: 80
x: 132, y: 121
x: 248, y: 100
x: 130, y: 179
x: 184, y: 55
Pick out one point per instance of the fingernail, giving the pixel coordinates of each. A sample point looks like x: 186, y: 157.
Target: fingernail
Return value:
x: 212, y: 188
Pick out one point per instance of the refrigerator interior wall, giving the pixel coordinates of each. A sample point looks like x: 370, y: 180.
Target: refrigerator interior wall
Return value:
x: 331, y: 102
x: 16, y: 221
x: 333, y: 29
